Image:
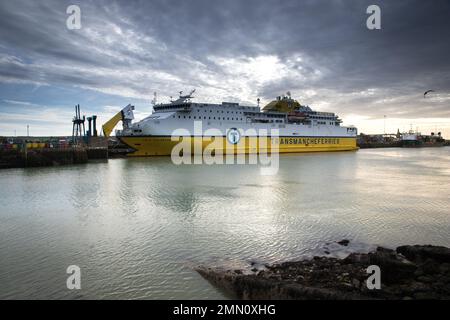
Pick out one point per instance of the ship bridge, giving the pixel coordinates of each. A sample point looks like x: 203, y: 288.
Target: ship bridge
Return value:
x: 173, y: 107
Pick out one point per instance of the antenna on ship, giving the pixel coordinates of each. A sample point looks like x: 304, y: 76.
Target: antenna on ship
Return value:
x: 185, y: 98
x: 257, y: 100
x: 154, y: 98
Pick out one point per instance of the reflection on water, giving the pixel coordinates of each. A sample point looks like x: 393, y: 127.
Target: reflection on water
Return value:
x: 137, y: 226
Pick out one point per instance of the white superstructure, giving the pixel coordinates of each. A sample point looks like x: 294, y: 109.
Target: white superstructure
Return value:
x: 182, y: 113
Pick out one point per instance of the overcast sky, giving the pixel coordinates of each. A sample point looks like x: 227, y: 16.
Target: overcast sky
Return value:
x: 234, y: 50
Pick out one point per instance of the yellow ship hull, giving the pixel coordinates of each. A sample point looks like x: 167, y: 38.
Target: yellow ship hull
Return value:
x: 165, y: 145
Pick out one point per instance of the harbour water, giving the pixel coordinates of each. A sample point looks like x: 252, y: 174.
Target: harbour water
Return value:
x: 137, y: 227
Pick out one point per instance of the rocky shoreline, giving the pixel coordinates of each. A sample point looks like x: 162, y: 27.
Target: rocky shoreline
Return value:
x: 408, y: 272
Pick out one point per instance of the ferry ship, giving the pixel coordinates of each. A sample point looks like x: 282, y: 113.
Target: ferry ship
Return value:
x: 299, y: 128
x: 414, y: 139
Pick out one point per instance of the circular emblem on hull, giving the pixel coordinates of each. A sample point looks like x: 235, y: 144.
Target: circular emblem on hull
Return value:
x: 233, y: 136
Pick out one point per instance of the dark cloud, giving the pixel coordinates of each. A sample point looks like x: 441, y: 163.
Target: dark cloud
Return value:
x: 320, y: 50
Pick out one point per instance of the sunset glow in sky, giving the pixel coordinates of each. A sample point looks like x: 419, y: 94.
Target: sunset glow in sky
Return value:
x: 320, y: 51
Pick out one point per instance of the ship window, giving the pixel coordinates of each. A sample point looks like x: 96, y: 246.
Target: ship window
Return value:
x: 189, y: 117
x: 209, y: 118
x: 214, y: 118
x: 228, y: 118
x: 204, y: 117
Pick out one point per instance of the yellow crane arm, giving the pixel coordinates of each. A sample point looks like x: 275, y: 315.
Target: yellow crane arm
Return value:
x: 126, y: 115
x: 110, y: 124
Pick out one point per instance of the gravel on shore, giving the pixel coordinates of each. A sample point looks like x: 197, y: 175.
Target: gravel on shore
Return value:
x: 408, y: 272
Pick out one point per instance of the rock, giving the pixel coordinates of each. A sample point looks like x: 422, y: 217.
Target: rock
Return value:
x: 444, y: 268
x: 425, y: 279
x: 332, y: 278
x: 394, y: 268
x: 445, y: 279
x: 386, y: 250
x: 344, y: 242
x: 255, y: 287
x: 356, y: 283
x: 361, y: 258
x: 425, y: 296
x: 419, y: 253
x: 415, y: 287
x: 430, y: 266
x: 418, y: 273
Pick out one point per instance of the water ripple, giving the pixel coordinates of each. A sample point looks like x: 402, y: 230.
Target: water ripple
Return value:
x: 137, y: 227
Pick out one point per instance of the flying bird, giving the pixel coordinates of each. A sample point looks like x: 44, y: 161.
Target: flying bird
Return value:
x: 426, y: 92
